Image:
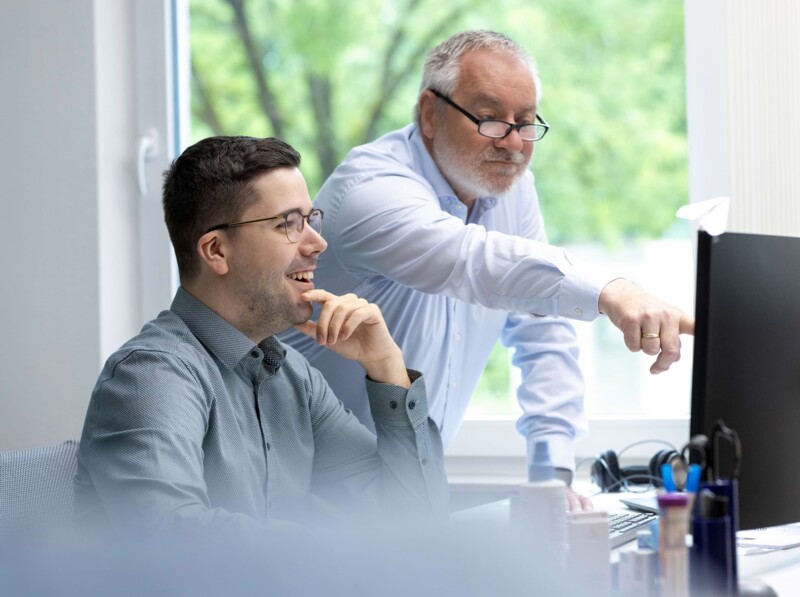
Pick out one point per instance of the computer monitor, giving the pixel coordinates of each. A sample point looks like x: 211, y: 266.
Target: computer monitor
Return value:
x: 747, y: 365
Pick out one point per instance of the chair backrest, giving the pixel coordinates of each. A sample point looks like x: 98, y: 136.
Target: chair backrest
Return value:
x: 36, y: 491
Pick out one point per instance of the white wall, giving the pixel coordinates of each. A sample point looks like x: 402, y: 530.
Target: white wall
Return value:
x: 71, y: 285
x: 743, y: 90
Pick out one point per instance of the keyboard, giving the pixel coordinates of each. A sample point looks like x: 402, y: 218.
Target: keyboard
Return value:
x: 623, y: 526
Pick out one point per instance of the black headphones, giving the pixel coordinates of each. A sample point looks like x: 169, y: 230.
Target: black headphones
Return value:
x: 610, y: 478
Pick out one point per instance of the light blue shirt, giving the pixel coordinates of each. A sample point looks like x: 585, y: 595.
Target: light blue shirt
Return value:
x: 450, y: 285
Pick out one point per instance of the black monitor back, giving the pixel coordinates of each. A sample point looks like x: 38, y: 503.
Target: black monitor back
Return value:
x: 747, y: 365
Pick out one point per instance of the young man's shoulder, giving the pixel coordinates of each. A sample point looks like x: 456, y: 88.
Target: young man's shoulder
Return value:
x: 166, y: 337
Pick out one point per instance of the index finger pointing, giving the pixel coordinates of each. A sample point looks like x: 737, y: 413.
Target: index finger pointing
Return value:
x: 686, y: 325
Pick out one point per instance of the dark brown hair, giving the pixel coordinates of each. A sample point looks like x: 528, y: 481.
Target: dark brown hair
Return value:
x: 210, y: 184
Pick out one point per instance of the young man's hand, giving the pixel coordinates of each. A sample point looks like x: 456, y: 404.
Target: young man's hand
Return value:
x: 355, y: 329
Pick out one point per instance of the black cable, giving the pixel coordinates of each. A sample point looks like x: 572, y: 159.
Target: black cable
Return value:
x: 646, y: 441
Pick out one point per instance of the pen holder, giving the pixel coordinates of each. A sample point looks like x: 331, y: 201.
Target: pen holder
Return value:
x: 727, y: 488
x: 712, y: 557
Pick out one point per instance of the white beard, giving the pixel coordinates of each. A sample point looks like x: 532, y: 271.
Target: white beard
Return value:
x: 468, y: 176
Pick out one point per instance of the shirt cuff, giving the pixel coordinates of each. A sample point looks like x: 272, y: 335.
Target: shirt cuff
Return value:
x: 562, y: 451
x: 397, y: 405
x: 579, y: 294
x: 564, y: 475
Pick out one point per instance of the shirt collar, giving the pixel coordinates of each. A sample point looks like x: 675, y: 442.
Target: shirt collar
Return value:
x: 274, y: 354
x: 448, y: 200
x: 220, y: 338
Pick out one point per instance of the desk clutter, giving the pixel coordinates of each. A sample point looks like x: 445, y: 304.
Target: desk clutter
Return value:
x: 689, y: 549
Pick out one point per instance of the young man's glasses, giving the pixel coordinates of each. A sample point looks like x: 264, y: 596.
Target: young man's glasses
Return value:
x: 293, y: 224
x: 499, y: 129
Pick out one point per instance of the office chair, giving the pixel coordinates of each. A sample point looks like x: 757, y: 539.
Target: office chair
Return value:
x: 36, y: 492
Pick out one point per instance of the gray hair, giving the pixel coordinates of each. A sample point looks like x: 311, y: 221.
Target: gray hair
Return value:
x: 443, y: 62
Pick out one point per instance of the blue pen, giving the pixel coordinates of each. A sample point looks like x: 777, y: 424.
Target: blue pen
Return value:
x: 667, y: 478
x: 693, y: 478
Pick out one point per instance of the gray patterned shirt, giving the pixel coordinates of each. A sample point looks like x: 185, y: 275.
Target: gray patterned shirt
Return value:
x: 191, y: 423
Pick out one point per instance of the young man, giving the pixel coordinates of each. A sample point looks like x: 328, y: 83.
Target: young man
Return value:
x: 439, y: 224
x: 206, y: 421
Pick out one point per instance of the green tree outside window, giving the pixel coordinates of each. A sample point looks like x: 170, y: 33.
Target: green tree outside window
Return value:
x: 327, y: 75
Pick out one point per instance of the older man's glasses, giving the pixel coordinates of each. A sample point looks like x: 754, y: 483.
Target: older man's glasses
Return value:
x: 499, y: 129
x: 293, y: 223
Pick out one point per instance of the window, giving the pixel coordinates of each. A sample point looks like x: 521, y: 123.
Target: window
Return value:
x: 610, y: 183
x: 610, y: 176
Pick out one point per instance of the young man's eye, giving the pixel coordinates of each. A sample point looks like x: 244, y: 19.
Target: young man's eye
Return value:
x: 293, y: 223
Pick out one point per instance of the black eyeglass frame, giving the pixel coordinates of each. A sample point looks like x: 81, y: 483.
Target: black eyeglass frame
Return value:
x: 285, y: 215
x: 541, y: 125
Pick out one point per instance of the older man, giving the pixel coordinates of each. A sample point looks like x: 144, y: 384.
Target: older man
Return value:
x: 205, y: 421
x: 438, y: 223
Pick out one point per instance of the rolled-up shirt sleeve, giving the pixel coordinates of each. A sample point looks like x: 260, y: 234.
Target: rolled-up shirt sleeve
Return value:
x: 551, y: 390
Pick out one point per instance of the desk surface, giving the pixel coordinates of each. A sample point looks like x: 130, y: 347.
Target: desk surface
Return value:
x: 780, y: 569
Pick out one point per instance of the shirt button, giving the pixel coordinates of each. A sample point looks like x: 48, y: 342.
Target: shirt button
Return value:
x: 424, y: 461
x: 578, y: 311
x: 458, y: 337
x: 268, y: 447
x: 254, y: 354
x: 412, y: 405
x: 393, y: 404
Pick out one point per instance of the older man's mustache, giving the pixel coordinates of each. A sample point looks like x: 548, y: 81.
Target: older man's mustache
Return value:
x: 504, y: 156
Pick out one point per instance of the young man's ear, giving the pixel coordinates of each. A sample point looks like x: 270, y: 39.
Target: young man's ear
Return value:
x: 213, y: 250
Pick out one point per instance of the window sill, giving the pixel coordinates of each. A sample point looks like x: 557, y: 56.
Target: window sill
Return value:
x: 490, y: 455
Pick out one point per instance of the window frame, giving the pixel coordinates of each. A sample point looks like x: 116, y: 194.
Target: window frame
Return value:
x: 162, y: 117
x: 484, y: 445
